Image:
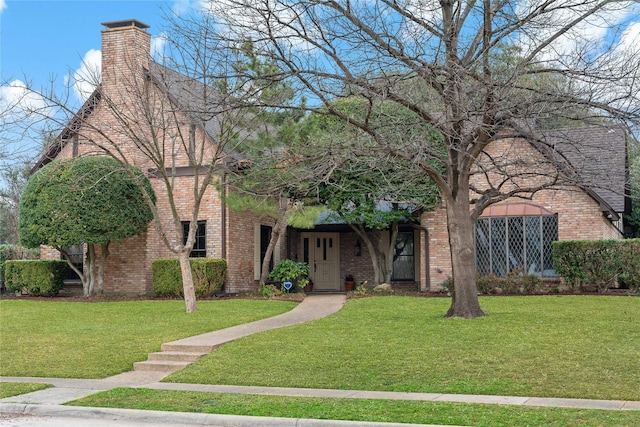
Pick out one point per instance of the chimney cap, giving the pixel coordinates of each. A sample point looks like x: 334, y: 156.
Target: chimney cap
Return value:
x: 125, y: 23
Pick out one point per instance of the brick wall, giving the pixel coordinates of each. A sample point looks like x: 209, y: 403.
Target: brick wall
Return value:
x: 579, y: 215
x: 128, y: 271
x: 241, y: 246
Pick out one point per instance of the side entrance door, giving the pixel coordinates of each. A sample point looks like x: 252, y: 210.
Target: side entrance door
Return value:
x: 322, y: 253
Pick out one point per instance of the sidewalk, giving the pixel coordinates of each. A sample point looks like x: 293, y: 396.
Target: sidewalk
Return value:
x: 47, y: 402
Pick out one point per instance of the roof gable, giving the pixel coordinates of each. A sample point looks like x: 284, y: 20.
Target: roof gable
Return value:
x: 597, y: 156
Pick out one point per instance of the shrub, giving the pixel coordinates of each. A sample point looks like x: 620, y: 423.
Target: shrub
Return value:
x: 630, y: 255
x: 37, y: 277
x: 208, y: 276
x: 488, y: 284
x: 14, y: 252
x: 269, y: 291
x: 594, y: 262
x: 291, y: 271
x: 516, y: 282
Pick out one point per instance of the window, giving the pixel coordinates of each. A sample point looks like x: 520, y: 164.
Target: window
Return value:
x: 265, y: 238
x: 505, y: 244
x: 403, y: 257
x: 262, y: 237
x: 199, y: 249
x: 76, y: 255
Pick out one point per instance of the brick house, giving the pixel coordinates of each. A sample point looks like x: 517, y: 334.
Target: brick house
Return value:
x: 510, y: 234
x: 514, y: 233
x: 240, y: 238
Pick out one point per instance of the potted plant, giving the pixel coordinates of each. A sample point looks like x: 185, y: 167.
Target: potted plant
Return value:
x: 291, y: 271
x: 349, y: 283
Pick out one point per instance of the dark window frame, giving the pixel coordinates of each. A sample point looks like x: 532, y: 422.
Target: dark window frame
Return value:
x: 265, y: 238
x: 406, y: 255
x: 199, y: 249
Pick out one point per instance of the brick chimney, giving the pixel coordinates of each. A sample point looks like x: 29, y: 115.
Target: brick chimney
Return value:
x: 126, y: 52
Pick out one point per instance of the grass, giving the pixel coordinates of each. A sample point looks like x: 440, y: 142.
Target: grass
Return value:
x: 8, y: 389
x: 551, y: 346
x: 100, y: 339
x: 358, y: 409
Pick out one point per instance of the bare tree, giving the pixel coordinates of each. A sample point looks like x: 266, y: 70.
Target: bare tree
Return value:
x: 451, y: 63
x: 179, y: 121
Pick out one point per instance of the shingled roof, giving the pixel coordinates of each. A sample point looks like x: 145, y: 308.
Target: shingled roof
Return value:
x: 597, y: 155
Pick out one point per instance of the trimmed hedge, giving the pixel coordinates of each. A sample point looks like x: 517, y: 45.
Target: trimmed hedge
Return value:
x: 514, y: 283
x: 37, y: 277
x: 11, y: 252
x: 598, y: 262
x: 630, y: 253
x: 208, y: 276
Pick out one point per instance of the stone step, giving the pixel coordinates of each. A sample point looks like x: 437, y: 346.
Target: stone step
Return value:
x: 160, y: 366
x: 175, y: 356
x: 188, y: 348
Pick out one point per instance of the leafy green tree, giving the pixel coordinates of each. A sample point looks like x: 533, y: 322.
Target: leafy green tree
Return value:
x: 373, y: 50
x: 14, y: 180
x: 88, y: 200
x: 271, y: 176
x: 370, y: 191
x: 633, y: 219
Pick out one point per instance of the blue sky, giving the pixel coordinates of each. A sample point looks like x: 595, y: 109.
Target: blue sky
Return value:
x: 41, y: 39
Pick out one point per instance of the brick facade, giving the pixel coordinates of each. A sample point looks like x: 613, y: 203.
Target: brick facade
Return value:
x: 235, y: 235
x: 125, y: 65
x: 579, y: 215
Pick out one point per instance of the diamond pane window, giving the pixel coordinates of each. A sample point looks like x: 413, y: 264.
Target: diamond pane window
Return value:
x: 515, y: 243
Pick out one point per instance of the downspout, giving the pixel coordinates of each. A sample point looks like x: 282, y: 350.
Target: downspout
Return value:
x: 223, y: 217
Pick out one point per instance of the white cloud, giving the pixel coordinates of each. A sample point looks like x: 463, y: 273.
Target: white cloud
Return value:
x: 180, y: 7
x: 3, y: 5
x: 86, y: 78
x: 18, y: 102
x: 260, y: 19
x: 588, y: 35
x: 157, y: 46
x: 630, y: 39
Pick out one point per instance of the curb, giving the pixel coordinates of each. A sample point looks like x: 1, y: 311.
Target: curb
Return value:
x: 171, y: 418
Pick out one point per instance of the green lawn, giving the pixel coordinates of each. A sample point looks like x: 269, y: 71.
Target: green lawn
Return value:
x: 100, y: 339
x: 555, y: 346
x: 15, y: 389
x: 359, y: 409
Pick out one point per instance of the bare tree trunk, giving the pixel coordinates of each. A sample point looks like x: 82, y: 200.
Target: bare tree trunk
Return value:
x: 390, y: 253
x: 187, y: 282
x: 81, y: 275
x: 104, y: 253
x: 91, y: 265
x: 465, y: 293
x: 373, y: 252
x: 278, y: 230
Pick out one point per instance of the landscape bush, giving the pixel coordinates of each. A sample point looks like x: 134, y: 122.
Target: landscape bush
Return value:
x: 515, y: 282
x: 14, y: 252
x: 593, y: 262
x: 208, y: 276
x: 630, y: 254
x: 36, y: 277
x: 291, y: 271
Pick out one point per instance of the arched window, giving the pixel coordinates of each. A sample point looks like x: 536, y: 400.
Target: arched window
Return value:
x: 515, y: 237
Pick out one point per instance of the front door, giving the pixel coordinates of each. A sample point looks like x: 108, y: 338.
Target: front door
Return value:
x: 322, y: 253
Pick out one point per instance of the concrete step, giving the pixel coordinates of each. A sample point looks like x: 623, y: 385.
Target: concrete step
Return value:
x: 160, y: 366
x: 188, y: 348
x: 175, y: 356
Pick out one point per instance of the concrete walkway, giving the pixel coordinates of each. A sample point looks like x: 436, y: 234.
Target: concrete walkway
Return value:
x: 47, y: 402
